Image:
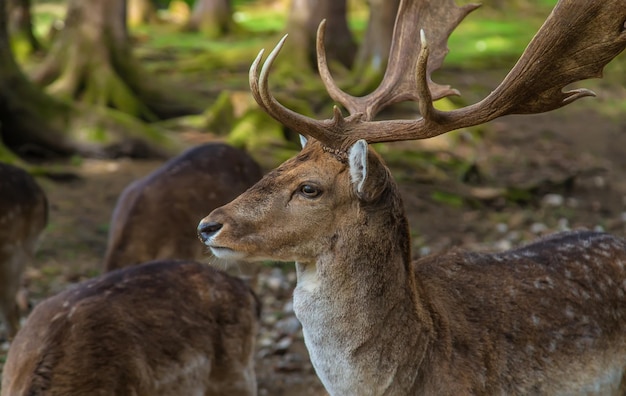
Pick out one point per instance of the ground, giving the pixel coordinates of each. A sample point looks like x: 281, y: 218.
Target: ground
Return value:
x: 516, y: 179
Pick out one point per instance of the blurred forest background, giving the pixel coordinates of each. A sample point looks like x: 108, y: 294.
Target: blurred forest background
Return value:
x: 94, y: 94
x: 137, y: 78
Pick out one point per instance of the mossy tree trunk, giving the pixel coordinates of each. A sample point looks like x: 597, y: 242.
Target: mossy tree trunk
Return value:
x: 373, y: 53
x: 141, y: 12
x: 303, y: 20
x: 34, y: 124
x: 213, y: 18
x: 374, y: 50
x: 20, y: 24
x: 91, y: 60
x: 31, y: 122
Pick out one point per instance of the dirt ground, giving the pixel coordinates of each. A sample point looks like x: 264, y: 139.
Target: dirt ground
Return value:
x: 529, y: 175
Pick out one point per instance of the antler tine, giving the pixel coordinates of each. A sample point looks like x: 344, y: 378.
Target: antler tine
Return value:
x: 327, y: 131
x: 575, y: 43
x: 439, y: 18
x: 253, y: 79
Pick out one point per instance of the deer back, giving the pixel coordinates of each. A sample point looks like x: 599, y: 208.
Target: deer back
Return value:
x: 23, y: 216
x: 155, y: 217
x: 546, y: 318
x: 160, y: 328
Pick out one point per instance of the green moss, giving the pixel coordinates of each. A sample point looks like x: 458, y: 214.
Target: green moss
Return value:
x: 486, y: 42
x: 448, y: 198
x: 256, y: 130
x: 263, y: 138
x: 7, y: 156
x: 220, y: 117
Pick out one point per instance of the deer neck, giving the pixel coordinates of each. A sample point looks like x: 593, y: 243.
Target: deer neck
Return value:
x: 353, y: 295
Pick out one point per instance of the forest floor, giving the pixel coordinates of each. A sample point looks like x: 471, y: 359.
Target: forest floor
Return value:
x: 528, y: 176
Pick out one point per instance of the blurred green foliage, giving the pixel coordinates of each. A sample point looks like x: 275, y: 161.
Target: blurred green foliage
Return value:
x: 492, y: 37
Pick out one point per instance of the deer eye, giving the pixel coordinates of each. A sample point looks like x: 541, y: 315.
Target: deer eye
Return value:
x: 309, y: 191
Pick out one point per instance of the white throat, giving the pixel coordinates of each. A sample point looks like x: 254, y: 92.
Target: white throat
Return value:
x: 343, y: 342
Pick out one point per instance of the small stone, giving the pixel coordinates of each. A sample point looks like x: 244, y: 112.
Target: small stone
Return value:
x: 538, y: 228
x: 502, y: 228
x: 554, y: 200
x: 599, y: 181
x: 503, y: 244
x: 283, y: 345
x: 288, y: 307
x: 288, y: 326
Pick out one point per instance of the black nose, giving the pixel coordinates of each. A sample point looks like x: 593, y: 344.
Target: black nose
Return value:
x: 206, y: 229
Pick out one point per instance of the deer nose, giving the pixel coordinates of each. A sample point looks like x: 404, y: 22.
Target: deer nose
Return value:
x: 207, y: 229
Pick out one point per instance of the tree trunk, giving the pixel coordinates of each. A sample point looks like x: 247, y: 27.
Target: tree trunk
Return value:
x: 34, y: 124
x: 20, y: 23
x: 213, y: 18
x: 304, y: 18
x: 141, y: 12
x: 91, y: 59
x: 374, y: 51
x: 31, y: 121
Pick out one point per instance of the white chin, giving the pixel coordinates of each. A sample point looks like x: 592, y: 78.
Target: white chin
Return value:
x: 226, y: 253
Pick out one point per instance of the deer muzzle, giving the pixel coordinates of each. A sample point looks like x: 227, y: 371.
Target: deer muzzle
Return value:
x: 207, y: 230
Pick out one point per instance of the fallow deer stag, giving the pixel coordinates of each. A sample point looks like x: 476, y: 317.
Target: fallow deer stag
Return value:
x: 23, y: 216
x: 548, y: 318
x: 167, y: 328
x: 155, y: 216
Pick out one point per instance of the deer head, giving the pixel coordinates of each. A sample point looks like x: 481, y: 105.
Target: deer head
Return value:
x: 577, y: 40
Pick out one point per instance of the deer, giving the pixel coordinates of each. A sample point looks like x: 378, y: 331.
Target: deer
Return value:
x: 166, y: 327
x: 23, y: 217
x: 171, y: 200
x: 547, y: 318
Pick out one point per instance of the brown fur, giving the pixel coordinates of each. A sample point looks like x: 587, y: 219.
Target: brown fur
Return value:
x: 23, y: 216
x: 156, y: 216
x: 161, y: 328
x: 548, y: 318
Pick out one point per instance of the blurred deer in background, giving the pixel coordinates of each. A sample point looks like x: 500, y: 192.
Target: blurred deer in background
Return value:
x: 23, y: 216
x: 548, y: 318
x: 155, y: 217
x: 167, y: 328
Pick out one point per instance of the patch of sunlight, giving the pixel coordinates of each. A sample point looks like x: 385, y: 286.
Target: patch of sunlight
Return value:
x: 262, y: 20
x: 487, y: 43
x: 44, y: 15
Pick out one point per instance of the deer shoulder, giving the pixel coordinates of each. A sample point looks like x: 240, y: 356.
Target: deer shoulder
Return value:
x: 155, y: 217
x: 160, y: 328
x: 23, y: 216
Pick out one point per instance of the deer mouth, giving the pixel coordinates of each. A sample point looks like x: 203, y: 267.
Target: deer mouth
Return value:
x: 224, y: 252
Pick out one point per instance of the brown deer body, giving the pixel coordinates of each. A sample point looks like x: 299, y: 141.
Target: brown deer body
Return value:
x: 548, y: 318
x: 23, y: 216
x: 160, y: 328
x: 155, y: 217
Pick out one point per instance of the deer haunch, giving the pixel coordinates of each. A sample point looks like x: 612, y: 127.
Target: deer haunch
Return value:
x: 155, y: 217
x: 160, y: 328
x: 23, y: 216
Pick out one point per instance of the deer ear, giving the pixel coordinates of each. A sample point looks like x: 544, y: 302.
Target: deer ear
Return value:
x: 303, y: 140
x: 358, y: 165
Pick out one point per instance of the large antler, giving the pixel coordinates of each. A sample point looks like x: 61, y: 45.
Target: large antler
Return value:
x: 400, y: 82
x: 575, y: 43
